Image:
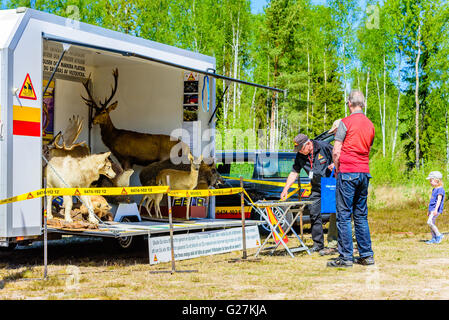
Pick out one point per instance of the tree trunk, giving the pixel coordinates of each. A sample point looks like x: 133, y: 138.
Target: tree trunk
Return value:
x: 308, y: 88
x: 417, y: 99
x: 397, y: 108
x: 273, y: 109
x: 384, y: 118
x: 253, y: 109
x: 325, y: 90
x: 225, y: 100
x: 235, y: 44
x: 344, y: 76
x: 366, y: 92
x: 380, y: 108
x: 447, y: 146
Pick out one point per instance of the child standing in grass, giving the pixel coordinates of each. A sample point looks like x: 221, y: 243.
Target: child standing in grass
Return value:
x: 435, y: 205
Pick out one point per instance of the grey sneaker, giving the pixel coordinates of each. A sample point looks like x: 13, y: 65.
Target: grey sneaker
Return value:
x: 328, y: 251
x: 339, y: 263
x: 367, y: 261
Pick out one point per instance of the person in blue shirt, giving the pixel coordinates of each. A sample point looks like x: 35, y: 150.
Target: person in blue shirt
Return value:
x: 435, y: 205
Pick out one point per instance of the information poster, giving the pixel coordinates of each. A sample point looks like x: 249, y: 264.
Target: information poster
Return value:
x: 193, y: 245
x: 48, y: 111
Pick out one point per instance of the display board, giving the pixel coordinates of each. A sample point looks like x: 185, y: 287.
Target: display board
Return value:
x: 190, y: 98
x: 193, y: 245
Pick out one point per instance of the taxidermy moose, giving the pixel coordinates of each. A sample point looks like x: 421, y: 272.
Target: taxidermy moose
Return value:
x: 130, y: 147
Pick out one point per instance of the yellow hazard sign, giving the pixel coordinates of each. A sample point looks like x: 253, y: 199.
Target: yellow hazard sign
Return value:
x: 27, y: 91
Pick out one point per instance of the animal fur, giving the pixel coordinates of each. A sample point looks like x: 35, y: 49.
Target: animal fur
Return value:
x: 121, y: 179
x: 208, y: 176
x: 130, y: 147
x: 76, y: 173
x: 179, y: 180
x: 101, y: 208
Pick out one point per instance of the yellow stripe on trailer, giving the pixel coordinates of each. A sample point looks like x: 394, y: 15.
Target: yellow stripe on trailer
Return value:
x: 26, y: 114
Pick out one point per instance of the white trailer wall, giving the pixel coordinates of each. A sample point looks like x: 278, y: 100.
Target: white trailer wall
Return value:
x: 21, y: 49
x: 3, y: 81
x: 26, y: 164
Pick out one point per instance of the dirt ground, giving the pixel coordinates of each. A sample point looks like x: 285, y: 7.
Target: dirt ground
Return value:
x: 406, y: 268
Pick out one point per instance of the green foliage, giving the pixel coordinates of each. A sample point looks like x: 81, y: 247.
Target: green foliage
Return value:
x: 314, y: 51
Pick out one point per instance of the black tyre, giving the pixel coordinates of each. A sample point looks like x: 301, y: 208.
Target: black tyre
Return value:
x: 129, y: 243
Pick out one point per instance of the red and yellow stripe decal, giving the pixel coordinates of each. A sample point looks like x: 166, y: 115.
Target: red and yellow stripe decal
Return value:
x: 26, y: 121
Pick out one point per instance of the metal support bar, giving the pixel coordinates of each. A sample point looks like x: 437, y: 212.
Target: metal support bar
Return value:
x: 216, y: 106
x: 172, y: 246
x: 45, y: 235
x: 171, y: 64
x: 242, y: 204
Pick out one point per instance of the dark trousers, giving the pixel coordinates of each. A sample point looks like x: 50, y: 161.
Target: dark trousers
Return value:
x: 316, y: 222
x: 351, y: 200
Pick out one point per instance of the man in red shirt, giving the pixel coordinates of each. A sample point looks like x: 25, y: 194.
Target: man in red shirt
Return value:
x: 353, y: 141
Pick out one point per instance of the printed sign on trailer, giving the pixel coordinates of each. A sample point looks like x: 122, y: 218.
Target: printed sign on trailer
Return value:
x: 193, y: 245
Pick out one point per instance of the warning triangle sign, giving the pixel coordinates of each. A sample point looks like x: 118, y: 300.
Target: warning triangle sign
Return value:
x: 77, y: 192
x: 191, y: 77
x: 124, y: 191
x: 27, y: 91
x: 155, y: 258
x: 30, y: 196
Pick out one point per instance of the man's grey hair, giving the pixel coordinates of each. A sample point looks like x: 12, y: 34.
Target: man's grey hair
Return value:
x: 356, y: 98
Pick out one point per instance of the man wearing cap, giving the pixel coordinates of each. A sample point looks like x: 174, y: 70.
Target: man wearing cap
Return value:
x: 353, y: 141
x: 315, y: 157
x: 332, y: 233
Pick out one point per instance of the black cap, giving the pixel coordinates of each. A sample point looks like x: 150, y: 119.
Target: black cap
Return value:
x: 300, y: 140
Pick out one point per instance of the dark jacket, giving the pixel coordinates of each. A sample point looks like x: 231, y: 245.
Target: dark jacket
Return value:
x: 322, y: 158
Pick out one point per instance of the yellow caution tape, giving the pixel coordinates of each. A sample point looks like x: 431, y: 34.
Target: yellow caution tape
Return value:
x: 116, y: 191
x: 204, y: 193
x: 272, y: 183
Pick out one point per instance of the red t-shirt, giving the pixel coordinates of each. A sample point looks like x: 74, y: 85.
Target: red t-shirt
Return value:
x: 357, y: 143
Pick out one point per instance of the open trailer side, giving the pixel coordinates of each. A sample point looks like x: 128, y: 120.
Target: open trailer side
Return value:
x: 43, y: 53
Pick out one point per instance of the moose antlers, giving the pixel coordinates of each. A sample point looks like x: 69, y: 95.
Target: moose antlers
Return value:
x: 70, y: 135
x: 91, y: 101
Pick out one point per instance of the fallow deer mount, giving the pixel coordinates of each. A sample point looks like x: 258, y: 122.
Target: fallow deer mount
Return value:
x: 130, y: 147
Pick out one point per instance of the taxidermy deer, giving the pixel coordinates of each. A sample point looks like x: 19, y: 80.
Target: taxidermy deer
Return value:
x: 68, y: 146
x: 179, y: 180
x: 130, y: 147
x: 208, y: 176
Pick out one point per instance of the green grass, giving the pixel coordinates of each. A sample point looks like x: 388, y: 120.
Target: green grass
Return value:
x: 406, y: 267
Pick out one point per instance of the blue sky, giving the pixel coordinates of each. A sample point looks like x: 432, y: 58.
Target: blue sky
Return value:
x: 257, y: 5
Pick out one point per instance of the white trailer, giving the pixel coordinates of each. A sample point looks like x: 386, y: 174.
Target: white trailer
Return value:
x: 150, y: 95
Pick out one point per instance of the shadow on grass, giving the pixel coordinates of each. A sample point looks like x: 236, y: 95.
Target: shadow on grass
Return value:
x: 75, y: 251
x: 16, y: 276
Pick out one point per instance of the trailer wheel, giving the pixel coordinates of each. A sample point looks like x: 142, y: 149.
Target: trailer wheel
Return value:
x: 126, y: 243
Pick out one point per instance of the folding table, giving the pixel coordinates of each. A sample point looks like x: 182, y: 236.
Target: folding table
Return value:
x: 262, y: 208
